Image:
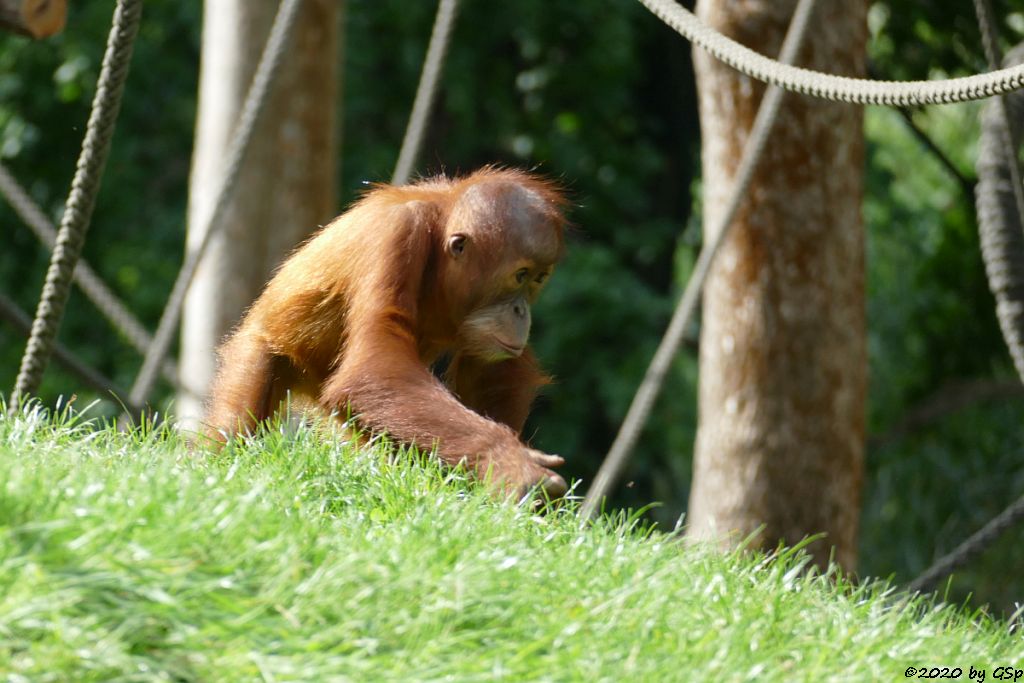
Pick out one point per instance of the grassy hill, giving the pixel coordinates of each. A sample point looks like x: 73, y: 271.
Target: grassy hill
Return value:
x: 124, y: 557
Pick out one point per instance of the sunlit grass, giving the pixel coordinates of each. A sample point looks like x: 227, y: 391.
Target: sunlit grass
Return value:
x: 289, y: 557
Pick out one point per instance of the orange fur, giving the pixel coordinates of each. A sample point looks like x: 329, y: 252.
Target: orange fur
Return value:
x: 358, y: 314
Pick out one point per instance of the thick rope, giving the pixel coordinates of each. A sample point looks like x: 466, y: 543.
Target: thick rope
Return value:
x: 640, y: 408
x: 426, y: 91
x: 112, y: 308
x: 827, y: 86
x: 1000, y: 218
x: 82, y: 198
x: 21, y: 321
x: 252, y: 108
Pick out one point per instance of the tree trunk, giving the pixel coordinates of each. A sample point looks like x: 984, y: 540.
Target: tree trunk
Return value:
x: 287, y: 187
x: 783, y: 360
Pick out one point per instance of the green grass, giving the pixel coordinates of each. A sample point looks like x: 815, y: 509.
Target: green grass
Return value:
x: 123, y: 557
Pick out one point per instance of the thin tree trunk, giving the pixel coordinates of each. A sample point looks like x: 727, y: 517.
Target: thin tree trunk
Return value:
x: 783, y: 364
x: 287, y: 187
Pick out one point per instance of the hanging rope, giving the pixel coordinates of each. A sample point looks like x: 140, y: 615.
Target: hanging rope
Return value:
x: 21, y: 322
x: 252, y: 108
x: 999, y: 199
x: 640, y: 408
x: 112, y: 308
x: 82, y: 198
x: 827, y: 86
x: 426, y: 91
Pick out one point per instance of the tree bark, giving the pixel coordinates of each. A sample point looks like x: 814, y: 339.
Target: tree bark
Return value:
x: 783, y: 361
x: 287, y: 187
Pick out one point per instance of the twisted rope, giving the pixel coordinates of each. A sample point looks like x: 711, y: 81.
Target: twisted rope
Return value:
x: 78, y: 211
x: 252, y: 108
x: 827, y: 86
x: 112, y: 308
x: 640, y: 408
x: 426, y: 91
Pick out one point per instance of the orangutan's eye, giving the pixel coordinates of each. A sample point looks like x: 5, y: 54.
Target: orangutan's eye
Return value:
x: 540, y: 278
x: 521, y: 275
x: 456, y: 244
